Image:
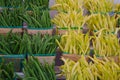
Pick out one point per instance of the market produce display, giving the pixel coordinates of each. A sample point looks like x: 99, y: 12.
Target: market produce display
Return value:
x: 84, y: 36
x: 39, y: 71
x: 95, y: 70
x: 15, y: 43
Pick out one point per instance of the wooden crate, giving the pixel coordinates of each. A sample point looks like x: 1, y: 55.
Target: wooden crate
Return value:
x: 15, y: 59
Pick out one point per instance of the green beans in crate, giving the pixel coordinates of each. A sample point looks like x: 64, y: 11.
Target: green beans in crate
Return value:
x: 7, y: 71
x: 15, y: 59
x: 25, y: 3
x: 39, y: 71
x: 15, y: 43
x: 37, y: 18
x: 46, y: 57
x: 11, y: 18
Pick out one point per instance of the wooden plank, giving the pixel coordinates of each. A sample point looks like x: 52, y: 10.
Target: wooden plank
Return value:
x: 75, y: 57
x: 49, y: 59
x: 30, y: 31
x: 49, y: 31
x: 6, y: 30
x: 62, y: 32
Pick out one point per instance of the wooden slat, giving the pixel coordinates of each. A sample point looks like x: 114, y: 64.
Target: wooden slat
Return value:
x: 19, y: 30
x: 49, y: 59
x: 6, y: 30
x: 49, y: 31
x: 75, y: 57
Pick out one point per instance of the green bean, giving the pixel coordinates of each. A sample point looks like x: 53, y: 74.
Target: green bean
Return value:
x: 41, y: 71
x: 6, y: 71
